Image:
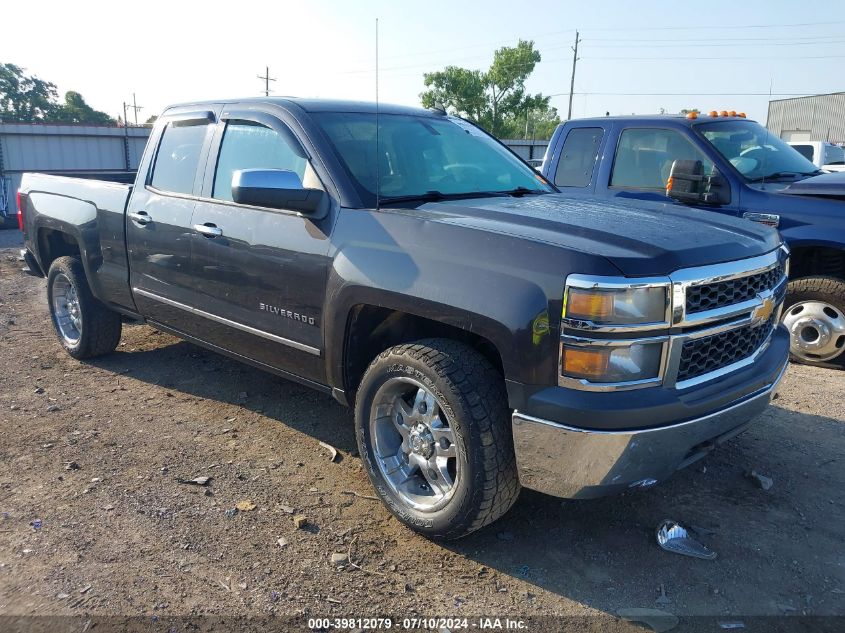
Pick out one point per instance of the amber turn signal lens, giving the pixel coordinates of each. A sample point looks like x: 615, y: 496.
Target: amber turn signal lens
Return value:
x: 584, y: 363
x: 591, y: 305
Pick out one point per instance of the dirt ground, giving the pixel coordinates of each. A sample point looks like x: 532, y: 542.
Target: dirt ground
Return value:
x: 95, y: 522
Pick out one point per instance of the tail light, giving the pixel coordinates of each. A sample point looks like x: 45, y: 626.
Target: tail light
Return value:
x: 20, y: 211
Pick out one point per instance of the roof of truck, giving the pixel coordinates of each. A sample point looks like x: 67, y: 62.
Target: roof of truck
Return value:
x: 675, y: 118
x: 322, y: 105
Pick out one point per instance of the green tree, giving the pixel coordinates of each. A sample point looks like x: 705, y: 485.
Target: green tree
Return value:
x: 24, y: 99
x: 28, y: 99
x: 496, y: 98
x: 75, y: 110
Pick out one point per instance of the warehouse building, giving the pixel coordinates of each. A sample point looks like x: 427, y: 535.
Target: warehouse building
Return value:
x: 68, y: 150
x: 811, y: 118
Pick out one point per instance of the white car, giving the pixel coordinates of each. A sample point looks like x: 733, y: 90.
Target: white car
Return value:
x: 822, y: 154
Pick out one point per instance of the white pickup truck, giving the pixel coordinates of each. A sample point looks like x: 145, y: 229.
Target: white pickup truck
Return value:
x: 822, y: 154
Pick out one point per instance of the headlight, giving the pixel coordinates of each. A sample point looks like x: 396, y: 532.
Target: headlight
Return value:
x: 611, y: 363
x: 610, y: 306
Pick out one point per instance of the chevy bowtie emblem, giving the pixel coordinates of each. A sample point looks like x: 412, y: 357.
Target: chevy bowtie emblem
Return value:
x: 762, y: 312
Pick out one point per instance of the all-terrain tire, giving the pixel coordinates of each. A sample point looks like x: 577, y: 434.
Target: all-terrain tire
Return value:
x: 471, y: 394
x: 827, y: 290
x: 100, y: 327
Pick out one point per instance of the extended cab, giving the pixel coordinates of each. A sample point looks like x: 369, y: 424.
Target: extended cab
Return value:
x: 738, y: 169
x: 488, y: 331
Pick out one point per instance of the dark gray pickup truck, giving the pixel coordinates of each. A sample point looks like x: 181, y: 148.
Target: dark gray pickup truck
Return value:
x: 490, y: 332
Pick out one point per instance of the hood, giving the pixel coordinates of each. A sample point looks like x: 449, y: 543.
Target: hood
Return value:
x: 639, y: 238
x: 825, y: 185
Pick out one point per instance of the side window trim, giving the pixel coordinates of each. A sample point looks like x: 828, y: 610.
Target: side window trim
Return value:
x: 648, y: 128
x: 178, y: 119
x: 595, y: 162
x: 237, y: 114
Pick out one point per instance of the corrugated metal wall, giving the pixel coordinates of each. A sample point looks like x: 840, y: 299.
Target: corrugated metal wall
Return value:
x: 63, y: 148
x: 527, y: 149
x: 813, y: 118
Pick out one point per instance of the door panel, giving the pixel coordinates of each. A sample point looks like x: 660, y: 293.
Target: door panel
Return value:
x: 261, y: 276
x: 159, y: 233
x: 266, y: 275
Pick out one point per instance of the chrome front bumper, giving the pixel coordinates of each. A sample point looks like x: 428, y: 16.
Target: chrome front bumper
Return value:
x: 581, y: 464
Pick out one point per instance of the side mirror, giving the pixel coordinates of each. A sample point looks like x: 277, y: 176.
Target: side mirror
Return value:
x: 277, y: 189
x: 689, y: 184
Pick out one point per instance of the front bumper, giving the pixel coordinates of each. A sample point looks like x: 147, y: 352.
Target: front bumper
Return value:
x: 579, y: 463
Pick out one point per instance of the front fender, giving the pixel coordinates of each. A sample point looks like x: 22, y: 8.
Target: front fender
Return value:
x: 503, y: 288
x: 812, y: 235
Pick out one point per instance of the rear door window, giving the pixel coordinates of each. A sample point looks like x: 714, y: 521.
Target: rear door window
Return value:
x: 178, y: 157
x: 578, y: 157
x: 644, y: 157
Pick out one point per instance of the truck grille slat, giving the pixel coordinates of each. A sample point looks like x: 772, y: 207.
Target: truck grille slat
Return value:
x: 710, y: 353
x: 725, y: 293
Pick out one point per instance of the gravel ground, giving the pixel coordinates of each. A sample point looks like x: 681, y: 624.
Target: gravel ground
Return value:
x: 94, y: 519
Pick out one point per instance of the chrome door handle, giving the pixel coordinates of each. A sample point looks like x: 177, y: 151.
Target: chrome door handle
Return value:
x: 209, y: 230
x: 141, y: 217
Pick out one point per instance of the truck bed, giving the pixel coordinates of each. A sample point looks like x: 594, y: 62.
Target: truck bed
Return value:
x: 91, y: 212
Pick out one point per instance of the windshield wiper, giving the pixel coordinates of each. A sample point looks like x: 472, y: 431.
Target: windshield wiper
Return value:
x: 519, y: 192
x: 786, y: 174
x: 434, y: 195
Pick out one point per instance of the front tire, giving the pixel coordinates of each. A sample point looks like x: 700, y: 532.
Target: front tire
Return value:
x: 814, y: 314
x: 85, y: 327
x: 433, y: 430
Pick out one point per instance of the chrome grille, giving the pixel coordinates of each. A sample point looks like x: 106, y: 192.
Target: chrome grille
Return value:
x: 725, y: 293
x: 710, y: 353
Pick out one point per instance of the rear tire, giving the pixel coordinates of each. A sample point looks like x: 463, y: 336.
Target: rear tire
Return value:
x: 452, y: 470
x: 814, y: 314
x: 85, y: 327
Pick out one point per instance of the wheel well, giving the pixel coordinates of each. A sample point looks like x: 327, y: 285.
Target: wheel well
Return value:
x: 809, y: 261
x: 53, y: 244
x: 372, y: 329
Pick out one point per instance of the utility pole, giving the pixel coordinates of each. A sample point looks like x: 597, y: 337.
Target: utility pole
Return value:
x: 267, y: 79
x: 572, y: 80
x: 126, y: 160
x: 135, y: 107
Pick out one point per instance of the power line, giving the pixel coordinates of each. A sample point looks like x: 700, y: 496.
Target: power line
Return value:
x: 718, y: 26
x: 742, y: 38
x: 685, y: 94
x: 730, y: 44
x: 684, y: 58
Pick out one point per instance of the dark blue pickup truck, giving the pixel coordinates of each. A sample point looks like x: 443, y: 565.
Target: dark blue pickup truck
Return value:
x: 725, y: 163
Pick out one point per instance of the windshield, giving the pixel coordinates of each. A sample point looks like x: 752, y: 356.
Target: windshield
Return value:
x: 424, y: 155
x: 755, y: 152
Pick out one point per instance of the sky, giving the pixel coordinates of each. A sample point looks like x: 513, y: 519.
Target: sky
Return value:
x: 635, y: 57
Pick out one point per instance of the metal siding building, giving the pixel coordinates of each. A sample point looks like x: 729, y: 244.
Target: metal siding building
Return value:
x: 527, y: 149
x: 812, y: 118
x: 64, y: 149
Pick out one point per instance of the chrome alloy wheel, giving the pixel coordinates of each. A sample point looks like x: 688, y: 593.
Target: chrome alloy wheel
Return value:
x: 413, y: 444
x: 816, y: 331
x: 66, y: 310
